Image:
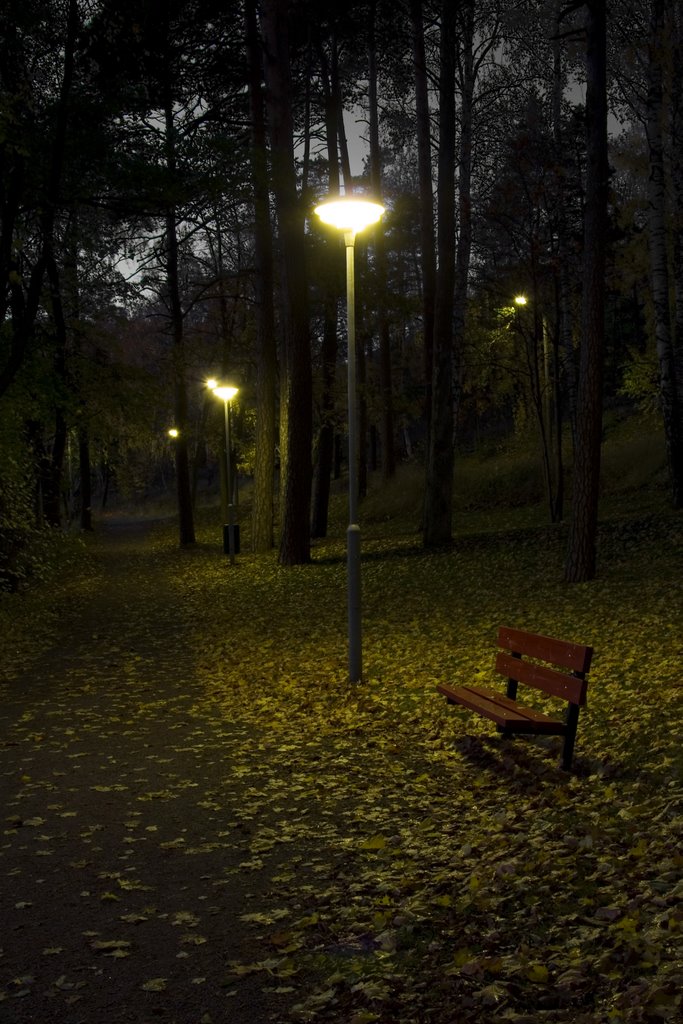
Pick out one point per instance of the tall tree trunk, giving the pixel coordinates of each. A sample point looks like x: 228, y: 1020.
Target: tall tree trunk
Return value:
x: 86, y: 483
x: 24, y: 305
x: 53, y: 464
x: 181, y: 446
x: 385, y: 383
x: 581, y: 555
x: 464, y: 251
x: 341, y: 129
x: 295, y: 545
x: 677, y: 169
x: 362, y: 344
x: 566, y: 334
x: 323, y: 475
x: 671, y: 401
x: 226, y: 324
x: 264, y: 466
x: 330, y: 341
x: 72, y: 282
x: 427, y: 241
x: 677, y: 173
x: 438, y: 511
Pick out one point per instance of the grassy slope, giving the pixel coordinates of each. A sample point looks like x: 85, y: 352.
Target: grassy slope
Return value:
x: 455, y: 868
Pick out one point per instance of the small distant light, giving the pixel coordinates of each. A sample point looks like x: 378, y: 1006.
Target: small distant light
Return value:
x: 211, y: 383
x: 172, y: 432
x: 520, y: 300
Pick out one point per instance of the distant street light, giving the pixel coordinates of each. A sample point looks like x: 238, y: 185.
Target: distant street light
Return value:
x: 226, y: 394
x: 520, y: 300
x: 352, y: 215
x: 173, y: 433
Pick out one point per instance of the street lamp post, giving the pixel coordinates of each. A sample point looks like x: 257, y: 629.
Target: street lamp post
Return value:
x: 226, y: 394
x: 352, y: 215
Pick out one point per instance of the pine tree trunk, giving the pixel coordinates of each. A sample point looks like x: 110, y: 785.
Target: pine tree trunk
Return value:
x: 330, y: 345
x: 295, y: 544
x: 264, y: 464
x: 385, y: 375
x: 182, y: 461
x: 677, y: 170
x: 323, y: 476
x: 86, y: 484
x: 581, y: 556
x: 566, y: 334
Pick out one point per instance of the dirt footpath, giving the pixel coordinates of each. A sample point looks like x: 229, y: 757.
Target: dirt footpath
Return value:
x: 122, y: 832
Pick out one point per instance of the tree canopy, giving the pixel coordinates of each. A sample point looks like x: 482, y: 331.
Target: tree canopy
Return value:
x: 159, y: 164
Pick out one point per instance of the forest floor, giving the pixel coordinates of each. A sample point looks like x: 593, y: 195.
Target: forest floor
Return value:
x: 203, y: 822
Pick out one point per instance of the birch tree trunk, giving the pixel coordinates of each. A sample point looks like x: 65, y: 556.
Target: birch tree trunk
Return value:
x: 438, y: 511
x: 427, y: 241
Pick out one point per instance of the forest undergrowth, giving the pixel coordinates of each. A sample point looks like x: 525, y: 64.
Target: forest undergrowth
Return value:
x: 413, y: 865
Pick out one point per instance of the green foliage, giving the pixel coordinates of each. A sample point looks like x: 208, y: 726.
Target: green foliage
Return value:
x: 20, y: 548
x: 640, y: 379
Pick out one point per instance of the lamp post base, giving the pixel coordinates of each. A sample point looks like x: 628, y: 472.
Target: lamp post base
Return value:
x: 231, y: 532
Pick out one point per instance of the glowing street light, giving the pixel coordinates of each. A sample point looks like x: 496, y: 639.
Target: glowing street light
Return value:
x: 352, y: 215
x: 226, y: 394
x: 173, y: 433
x: 520, y: 300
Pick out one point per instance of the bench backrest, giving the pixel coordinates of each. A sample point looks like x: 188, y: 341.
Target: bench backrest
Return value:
x: 575, y: 659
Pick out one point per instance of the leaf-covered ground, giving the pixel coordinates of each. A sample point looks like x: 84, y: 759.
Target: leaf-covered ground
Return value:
x: 203, y: 821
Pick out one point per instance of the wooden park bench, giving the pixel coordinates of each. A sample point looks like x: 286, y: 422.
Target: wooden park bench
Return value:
x: 562, y: 675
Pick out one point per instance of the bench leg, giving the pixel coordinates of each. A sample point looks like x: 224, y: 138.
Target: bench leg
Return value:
x: 570, y: 737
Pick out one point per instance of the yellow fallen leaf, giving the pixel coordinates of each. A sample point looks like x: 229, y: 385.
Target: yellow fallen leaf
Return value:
x: 538, y: 973
x: 374, y: 843
x: 154, y: 985
x: 106, y: 945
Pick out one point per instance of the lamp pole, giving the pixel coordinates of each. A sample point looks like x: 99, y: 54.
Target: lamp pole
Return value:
x: 353, y: 529
x: 226, y: 394
x: 351, y: 215
x: 228, y: 483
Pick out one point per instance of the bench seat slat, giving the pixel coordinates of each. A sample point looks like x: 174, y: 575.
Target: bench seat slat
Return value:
x: 504, y: 712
